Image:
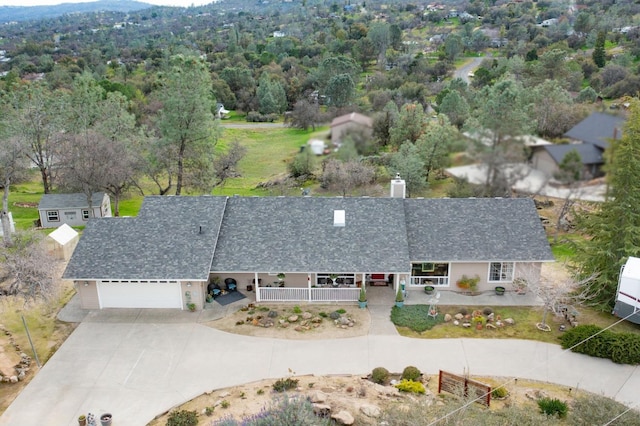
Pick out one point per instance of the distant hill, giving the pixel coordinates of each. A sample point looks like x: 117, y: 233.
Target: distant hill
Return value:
x: 22, y: 13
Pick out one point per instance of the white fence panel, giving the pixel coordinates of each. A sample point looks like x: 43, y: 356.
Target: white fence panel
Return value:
x: 279, y: 294
x: 335, y: 294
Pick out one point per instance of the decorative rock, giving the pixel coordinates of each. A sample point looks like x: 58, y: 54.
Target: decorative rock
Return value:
x: 13, y: 379
x: 458, y: 316
x: 321, y: 410
x: 284, y: 325
x: 370, y: 410
x: 316, y: 320
x: 21, y: 376
x: 447, y: 317
x: 491, y: 326
x: 344, y: 327
x: 456, y: 322
x: 307, y: 315
x: 334, y: 315
x: 272, y: 314
x: 342, y: 321
x: 343, y: 418
x: 225, y: 394
x: 292, y: 318
x: 282, y: 322
x: 350, y: 324
x: 299, y: 328
x: 509, y: 321
x: 318, y: 396
x: 499, y: 323
x: 466, y: 324
x: 490, y: 317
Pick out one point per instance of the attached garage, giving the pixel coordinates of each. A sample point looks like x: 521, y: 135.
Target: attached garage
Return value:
x: 139, y: 294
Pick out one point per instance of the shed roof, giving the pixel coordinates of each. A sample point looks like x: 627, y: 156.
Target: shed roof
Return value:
x: 355, y: 117
x: 597, y: 128
x: 69, y: 201
x: 63, y: 234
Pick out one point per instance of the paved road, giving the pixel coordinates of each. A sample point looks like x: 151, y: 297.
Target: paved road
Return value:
x: 236, y: 125
x: 463, y: 72
x: 138, y: 363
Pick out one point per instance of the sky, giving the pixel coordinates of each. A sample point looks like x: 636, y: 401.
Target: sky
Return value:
x: 183, y: 3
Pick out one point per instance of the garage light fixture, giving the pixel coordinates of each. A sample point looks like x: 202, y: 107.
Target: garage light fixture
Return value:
x: 86, y: 283
x: 188, y: 284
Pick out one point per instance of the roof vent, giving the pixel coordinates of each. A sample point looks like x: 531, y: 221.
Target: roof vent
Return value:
x: 398, y: 187
x: 339, y: 218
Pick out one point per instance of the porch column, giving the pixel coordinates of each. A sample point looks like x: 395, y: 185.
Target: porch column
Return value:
x: 257, y: 285
x: 308, y: 286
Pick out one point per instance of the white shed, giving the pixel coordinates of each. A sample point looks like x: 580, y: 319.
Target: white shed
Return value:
x: 62, y: 242
x: 628, y: 294
x: 317, y: 146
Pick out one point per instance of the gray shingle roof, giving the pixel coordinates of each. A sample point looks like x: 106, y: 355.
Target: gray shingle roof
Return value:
x: 469, y: 229
x: 296, y: 234
x: 589, y: 154
x: 62, y: 201
x: 597, y: 128
x: 162, y: 242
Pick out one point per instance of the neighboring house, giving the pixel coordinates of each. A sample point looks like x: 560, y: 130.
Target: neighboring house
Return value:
x: 72, y: 209
x: 326, y: 247
x: 590, y: 138
x: 345, y: 123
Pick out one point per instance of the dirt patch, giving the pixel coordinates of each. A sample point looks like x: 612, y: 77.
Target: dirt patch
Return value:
x: 297, y: 323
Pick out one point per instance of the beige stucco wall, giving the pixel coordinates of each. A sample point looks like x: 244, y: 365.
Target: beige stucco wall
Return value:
x: 541, y: 160
x: 528, y: 270
x: 338, y: 131
x: 197, y: 292
x: 88, y: 294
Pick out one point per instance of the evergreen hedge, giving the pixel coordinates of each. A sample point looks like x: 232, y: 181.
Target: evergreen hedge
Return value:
x: 621, y: 348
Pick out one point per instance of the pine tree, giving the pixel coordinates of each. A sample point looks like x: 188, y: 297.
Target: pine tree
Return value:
x: 615, y: 228
x: 598, y: 54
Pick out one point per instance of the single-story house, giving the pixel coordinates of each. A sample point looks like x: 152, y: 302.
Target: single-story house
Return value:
x: 62, y: 242
x: 316, y: 249
x: 72, y: 209
x: 348, y: 122
x: 590, y: 138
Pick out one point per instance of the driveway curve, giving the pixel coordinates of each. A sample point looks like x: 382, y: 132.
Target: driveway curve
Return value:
x: 137, y: 369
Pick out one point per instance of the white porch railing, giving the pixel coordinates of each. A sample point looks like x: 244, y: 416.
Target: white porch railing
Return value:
x: 335, y: 294
x: 442, y: 281
x: 301, y: 294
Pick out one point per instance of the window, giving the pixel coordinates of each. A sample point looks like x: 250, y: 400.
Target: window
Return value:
x: 52, y: 216
x: 501, y: 271
x: 85, y: 214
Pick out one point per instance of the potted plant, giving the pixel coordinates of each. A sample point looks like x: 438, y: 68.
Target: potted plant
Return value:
x: 399, y: 298
x: 500, y: 290
x: 191, y: 306
x: 281, y: 276
x: 468, y: 283
x: 105, y: 419
x: 82, y: 420
x: 520, y: 285
x: 362, y: 300
x: 429, y: 289
x: 333, y: 278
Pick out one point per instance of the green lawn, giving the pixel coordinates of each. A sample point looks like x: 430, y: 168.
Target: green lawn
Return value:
x: 525, y: 323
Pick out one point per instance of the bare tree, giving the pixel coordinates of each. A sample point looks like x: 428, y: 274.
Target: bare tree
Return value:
x: 13, y: 163
x: 304, y: 115
x: 555, y: 295
x: 225, y: 165
x: 346, y: 176
x: 28, y: 269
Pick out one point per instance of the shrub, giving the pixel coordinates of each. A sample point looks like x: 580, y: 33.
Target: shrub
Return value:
x: 282, y: 385
x: 297, y: 310
x: 553, y: 407
x: 590, y: 409
x: 225, y: 404
x: 410, y: 386
x: 209, y: 411
x: 341, y: 311
x: 256, y: 117
x: 414, y: 317
x: 622, y: 348
x: 334, y: 315
x: 380, y: 375
x: 464, y: 311
x: 280, y: 412
x: 487, y: 311
x: 411, y: 373
x: 500, y: 392
x: 323, y: 314
x: 182, y: 418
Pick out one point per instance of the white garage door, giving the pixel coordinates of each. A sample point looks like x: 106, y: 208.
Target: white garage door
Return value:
x: 127, y: 294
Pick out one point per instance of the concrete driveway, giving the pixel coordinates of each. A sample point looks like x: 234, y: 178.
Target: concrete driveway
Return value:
x: 136, y: 365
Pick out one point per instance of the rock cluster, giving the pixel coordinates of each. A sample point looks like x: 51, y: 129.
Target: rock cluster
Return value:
x: 21, y: 368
